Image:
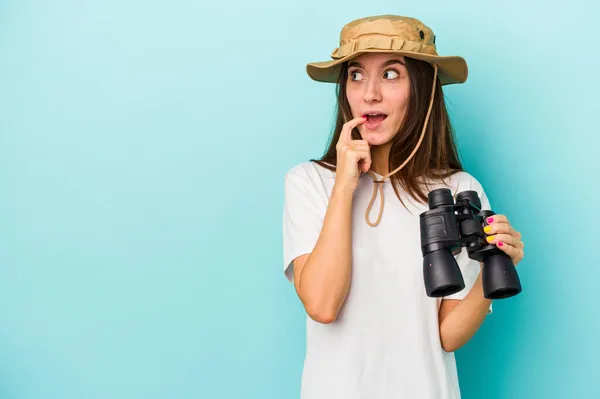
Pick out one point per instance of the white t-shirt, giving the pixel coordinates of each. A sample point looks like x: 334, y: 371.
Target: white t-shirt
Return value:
x: 385, y: 342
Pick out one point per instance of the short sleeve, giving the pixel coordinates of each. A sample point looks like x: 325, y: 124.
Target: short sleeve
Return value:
x: 470, y: 268
x: 303, y: 215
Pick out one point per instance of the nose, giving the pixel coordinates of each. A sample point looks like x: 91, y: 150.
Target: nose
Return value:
x: 372, y: 91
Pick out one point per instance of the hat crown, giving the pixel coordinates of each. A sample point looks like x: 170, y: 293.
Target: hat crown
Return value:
x: 397, y: 26
x: 390, y: 34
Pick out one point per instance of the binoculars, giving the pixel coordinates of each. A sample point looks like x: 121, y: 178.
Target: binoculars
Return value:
x: 448, y: 226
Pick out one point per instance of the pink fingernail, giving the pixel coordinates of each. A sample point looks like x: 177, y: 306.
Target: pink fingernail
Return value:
x: 490, y: 220
x: 500, y: 244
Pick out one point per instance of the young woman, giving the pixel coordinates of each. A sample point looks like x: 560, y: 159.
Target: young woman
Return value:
x: 372, y: 332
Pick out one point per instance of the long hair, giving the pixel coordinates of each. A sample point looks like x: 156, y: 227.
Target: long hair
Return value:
x: 437, y: 157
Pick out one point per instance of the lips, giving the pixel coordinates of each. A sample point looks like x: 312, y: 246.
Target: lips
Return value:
x: 374, y: 119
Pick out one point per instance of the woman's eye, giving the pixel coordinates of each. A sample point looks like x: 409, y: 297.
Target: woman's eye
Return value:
x: 391, y: 74
x: 355, y: 75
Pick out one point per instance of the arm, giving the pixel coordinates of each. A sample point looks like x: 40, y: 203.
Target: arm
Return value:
x: 322, y: 277
x: 460, y: 319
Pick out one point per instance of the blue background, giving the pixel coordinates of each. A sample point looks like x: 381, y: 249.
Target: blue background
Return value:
x: 142, y: 152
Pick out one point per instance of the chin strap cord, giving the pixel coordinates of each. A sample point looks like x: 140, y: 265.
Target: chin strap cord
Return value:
x: 378, y: 184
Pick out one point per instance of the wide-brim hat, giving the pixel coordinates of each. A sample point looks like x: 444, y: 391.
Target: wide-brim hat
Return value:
x: 389, y: 34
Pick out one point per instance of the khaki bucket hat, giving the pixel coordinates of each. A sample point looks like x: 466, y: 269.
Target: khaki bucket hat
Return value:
x: 389, y: 34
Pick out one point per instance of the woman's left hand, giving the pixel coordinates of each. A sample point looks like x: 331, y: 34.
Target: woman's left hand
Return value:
x: 500, y: 232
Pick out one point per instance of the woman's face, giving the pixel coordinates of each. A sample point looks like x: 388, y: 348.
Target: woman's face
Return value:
x: 378, y: 86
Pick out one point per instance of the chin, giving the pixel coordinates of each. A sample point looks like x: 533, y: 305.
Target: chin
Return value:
x: 375, y: 138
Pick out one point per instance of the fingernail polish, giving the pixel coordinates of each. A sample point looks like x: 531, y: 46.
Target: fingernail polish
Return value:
x: 500, y: 244
x: 487, y: 229
x: 490, y: 220
x: 490, y: 238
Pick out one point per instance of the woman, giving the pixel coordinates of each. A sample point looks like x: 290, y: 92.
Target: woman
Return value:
x: 372, y: 332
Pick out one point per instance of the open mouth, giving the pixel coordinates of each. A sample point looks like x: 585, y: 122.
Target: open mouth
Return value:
x: 374, y: 119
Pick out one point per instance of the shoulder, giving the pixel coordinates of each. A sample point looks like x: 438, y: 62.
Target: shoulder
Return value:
x: 457, y: 182
x: 308, y: 184
x: 308, y: 173
x: 464, y: 180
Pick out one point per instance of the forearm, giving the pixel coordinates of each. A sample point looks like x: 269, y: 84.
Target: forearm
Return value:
x: 325, y: 278
x: 459, y: 326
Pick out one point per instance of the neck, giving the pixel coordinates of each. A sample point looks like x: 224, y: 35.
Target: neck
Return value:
x: 380, y: 159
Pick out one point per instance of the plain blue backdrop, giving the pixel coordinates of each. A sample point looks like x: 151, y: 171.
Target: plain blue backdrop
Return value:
x: 143, y: 146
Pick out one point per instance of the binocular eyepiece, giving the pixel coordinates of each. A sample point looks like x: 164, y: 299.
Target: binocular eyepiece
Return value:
x: 448, y: 226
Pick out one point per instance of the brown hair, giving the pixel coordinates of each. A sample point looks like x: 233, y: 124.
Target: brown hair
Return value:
x: 436, y: 158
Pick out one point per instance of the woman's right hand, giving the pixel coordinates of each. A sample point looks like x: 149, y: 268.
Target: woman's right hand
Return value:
x: 353, y: 157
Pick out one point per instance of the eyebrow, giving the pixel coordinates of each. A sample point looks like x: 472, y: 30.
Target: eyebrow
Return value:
x: 388, y: 62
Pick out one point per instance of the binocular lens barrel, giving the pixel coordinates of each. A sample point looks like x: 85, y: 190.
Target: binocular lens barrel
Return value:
x: 442, y: 274
x: 499, y: 278
x: 443, y: 231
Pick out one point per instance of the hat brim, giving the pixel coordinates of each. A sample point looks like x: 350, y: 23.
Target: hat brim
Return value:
x: 451, y: 69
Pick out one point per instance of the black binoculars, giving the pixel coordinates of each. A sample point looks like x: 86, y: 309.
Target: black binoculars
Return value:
x: 445, y: 228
